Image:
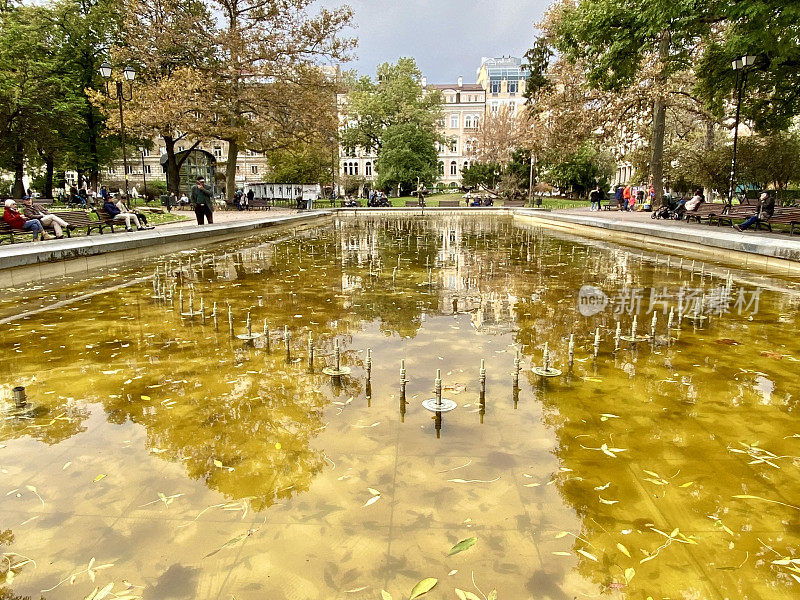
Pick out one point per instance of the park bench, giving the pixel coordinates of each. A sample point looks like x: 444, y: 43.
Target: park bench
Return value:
x: 79, y: 219
x: 514, y: 203
x: 106, y: 220
x: 449, y: 202
x: 412, y: 203
x: 610, y: 205
x: 9, y: 232
x: 743, y: 211
x: 705, y: 211
x: 261, y: 204
x: 785, y: 216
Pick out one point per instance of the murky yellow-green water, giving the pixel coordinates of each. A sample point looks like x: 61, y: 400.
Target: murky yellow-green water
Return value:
x: 173, y: 461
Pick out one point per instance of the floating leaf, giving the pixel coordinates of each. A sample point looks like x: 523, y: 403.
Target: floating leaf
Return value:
x: 385, y: 595
x: 217, y: 463
x: 624, y: 550
x: 423, y: 587
x: 99, y: 477
x: 588, y: 555
x: 629, y: 574
x: 687, y: 484
x: 145, y: 398
x: 462, y: 595
x: 562, y: 534
x: 462, y: 545
x: 373, y: 491
x: 560, y: 553
x: 604, y: 501
x: 372, y: 500
x: 453, y: 572
x: 354, y: 590
x: 492, y: 595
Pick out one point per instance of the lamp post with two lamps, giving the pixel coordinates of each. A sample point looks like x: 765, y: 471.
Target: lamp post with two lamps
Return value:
x: 128, y: 74
x: 741, y: 65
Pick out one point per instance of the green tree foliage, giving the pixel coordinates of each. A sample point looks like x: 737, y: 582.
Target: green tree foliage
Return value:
x: 483, y: 174
x: 767, y: 29
x: 396, y: 98
x: 580, y: 171
x: 620, y: 43
x: 408, y: 152
x: 302, y: 163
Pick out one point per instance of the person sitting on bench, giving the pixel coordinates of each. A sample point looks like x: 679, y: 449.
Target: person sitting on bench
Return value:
x: 41, y: 214
x: 764, y: 212
x: 14, y: 219
x: 141, y: 216
x: 118, y: 215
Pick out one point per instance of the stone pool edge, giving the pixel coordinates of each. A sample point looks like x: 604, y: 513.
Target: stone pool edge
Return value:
x: 60, y: 257
x: 749, y: 252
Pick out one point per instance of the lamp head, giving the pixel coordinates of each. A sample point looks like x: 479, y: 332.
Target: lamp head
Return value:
x: 105, y: 70
x: 129, y: 73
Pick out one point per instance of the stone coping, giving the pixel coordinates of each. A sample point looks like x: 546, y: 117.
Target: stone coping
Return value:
x: 722, y: 239
x: 25, y: 254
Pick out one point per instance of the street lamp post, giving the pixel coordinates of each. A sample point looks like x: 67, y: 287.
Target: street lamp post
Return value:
x: 129, y: 74
x: 741, y: 64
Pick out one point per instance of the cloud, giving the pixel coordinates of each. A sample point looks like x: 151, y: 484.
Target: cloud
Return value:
x: 448, y: 38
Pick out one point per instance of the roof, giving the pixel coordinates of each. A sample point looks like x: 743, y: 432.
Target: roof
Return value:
x: 467, y: 87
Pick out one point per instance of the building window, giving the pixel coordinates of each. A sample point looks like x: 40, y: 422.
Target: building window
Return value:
x: 466, y: 164
x: 453, y: 168
x: 254, y: 169
x: 355, y: 167
x: 454, y: 145
x: 145, y: 152
x: 512, y: 108
x: 468, y: 122
x: 495, y: 86
x: 180, y: 148
x: 237, y: 168
x: 513, y: 87
x: 111, y: 170
x: 441, y: 168
x: 495, y: 107
x: 453, y: 121
x: 368, y: 169
x: 128, y: 170
x: 147, y: 169
x: 217, y: 151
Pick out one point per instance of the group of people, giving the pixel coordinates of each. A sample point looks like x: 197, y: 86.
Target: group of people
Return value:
x: 378, y: 198
x: 34, y: 218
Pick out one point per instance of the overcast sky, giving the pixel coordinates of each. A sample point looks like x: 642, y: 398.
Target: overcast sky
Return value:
x: 446, y: 37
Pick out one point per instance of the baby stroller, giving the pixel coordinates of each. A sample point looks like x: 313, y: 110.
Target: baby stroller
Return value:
x: 663, y: 213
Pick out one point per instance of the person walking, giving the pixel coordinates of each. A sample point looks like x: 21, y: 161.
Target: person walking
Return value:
x: 250, y: 196
x: 764, y: 212
x: 594, y: 198
x: 40, y: 213
x: 203, y: 202
x: 626, y: 197
x: 14, y: 219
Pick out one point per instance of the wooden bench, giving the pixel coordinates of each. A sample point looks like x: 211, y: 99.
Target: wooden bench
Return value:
x: 261, y: 204
x: 412, y: 203
x: 9, y: 232
x: 79, y: 219
x: 789, y: 215
x: 449, y: 203
x: 514, y: 203
x: 106, y: 220
x: 706, y: 211
x: 743, y: 211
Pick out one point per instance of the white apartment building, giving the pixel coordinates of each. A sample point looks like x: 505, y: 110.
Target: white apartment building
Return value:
x: 500, y: 84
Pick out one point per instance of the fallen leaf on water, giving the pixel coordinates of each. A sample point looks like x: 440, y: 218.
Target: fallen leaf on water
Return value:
x: 774, y: 355
x: 588, y: 555
x: 629, y: 574
x: 385, y: 595
x: 462, y: 595
x: 354, y: 590
x: 453, y: 572
x: 423, y: 587
x: 473, y: 480
x: 373, y: 491
x: 624, y: 550
x: 559, y: 553
x: 372, y: 500
x: 99, y: 477
x: 462, y: 545
x: 727, y: 342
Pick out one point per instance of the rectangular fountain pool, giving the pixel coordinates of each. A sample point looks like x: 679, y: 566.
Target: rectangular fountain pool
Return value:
x: 164, y: 456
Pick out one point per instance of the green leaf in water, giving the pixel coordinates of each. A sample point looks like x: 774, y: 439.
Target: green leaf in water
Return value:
x: 462, y: 595
x: 462, y: 545
x: 385, y: 595
x: 423, y: 587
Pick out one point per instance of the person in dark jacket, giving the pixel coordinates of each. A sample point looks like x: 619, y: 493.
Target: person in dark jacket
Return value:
x: 594, y: 198
x: 202, y: 201
x: 41, y: 214
x: 764, y: 212
x: 129, y: 218
x: 14, y: 219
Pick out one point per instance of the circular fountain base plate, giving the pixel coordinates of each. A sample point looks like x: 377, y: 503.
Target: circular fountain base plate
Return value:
x: 542, y: 372
x: 433, y: 405
x: 336, y: 372
x: 634, y: 340
x: 700, y: 318
x: 248, y: 336
x: 191, y: 314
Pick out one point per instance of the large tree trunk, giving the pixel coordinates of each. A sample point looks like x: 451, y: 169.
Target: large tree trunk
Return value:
x: 174, y: 165
x: 230, y: 170
x: 19, y: 170
x: 659, y: 122
x: 709, y: 142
